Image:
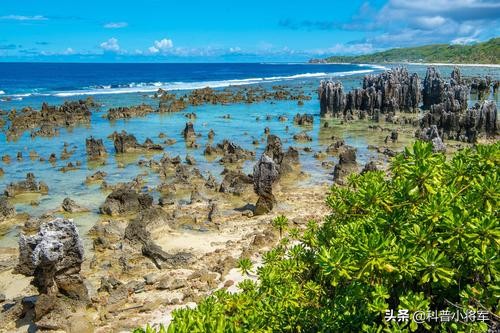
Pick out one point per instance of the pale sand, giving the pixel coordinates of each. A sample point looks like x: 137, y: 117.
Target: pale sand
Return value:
x: 14, y: 285
x: 381, y: 65
x: 445, y: 64
x: 197, y: 242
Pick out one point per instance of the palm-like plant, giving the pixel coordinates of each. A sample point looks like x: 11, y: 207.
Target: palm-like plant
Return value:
x: 245, y: 266
x: 280, y: 223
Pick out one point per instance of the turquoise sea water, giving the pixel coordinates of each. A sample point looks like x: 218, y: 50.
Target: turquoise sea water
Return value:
x: 242, y: 128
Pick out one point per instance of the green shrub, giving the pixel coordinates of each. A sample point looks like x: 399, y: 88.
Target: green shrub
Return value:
x: 425, y: 238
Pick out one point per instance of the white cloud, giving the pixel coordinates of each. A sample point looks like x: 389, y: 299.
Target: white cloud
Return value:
x: 358, y: 48
x: 234, y: 49
x: 111, y: 45
x: 116, y: 25
x: 24, y: 18
x: 161, y: 46
x: 430, y: 22
x: 69, y: 51
x: 464, y: 40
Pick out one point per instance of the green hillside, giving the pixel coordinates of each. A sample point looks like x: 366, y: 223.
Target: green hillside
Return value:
x: 480, y: 53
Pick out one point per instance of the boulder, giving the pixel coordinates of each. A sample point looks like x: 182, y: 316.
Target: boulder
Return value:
x: 70, y: 206
x: 347, y: 164
x: 54, y: 257
x: 125, y: 201
x: 431, y: 134
x: 234, y: 182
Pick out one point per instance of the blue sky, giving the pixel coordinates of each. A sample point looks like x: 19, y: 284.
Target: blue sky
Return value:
x: 185, y: 31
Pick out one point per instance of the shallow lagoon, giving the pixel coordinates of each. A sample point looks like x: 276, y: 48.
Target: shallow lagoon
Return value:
x: 242, y: 128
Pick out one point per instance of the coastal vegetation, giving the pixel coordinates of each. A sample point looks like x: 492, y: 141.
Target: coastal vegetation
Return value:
x: 423, y: 237
x: 479, y: 53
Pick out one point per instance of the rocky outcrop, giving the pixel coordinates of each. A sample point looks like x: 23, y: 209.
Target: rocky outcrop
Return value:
x: 481, y: 86
x: 125, y: 201
x: 138, y: 232
x: 96, y: 177
x: 230, y: 152
x: 468, y: 126
x: 29, y: 185
x: 53, y: 257
x: 331, y: 98
x: 127, y: 143
x: 68, y: 114
x: 265, y: 173
x: 302, y: 136
x: 172, y: 105
x: 235, y: 182
x: 70, y: 206
x: 434, y: 88
x: 369, y: 167
x: 303, y: 119
x: 399, y: 90
x: 452, y: 96
x: 285, y: 161
x: 129, y: 112
x: 95, y: 148
x: 188, y: 133
x: 347, y: 164
x: 431, y: 134
x: 393, y: 90
x: 6, y: 209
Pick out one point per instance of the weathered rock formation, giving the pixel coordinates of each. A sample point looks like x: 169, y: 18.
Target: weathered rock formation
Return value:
x: 230, y: 152
x: 95, y: 148
x: 6, y: 209
x: 265, y: 173
x: 235, y: 182
x: 188, y: 133
x: 393, y: 90
x: 127, y: 143
x: 431, y: 134
x: 138, y: 232
x: 54, y: 256
x: 129, y: 112
x: 68, y: 114
x: 465, y: 126
x: 70, y: 206
x: 125, y: 201
x: 453, y: 96
x: 285, y: 161
x: 347, y: 164
x: 303, y: 119
x: 29, y: 185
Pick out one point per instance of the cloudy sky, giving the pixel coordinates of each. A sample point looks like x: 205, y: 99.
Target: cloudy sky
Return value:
x: 185, y: 31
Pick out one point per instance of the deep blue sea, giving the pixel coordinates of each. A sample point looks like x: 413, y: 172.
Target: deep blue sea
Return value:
x: 21, y: 80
